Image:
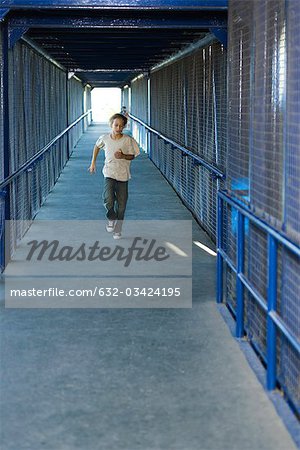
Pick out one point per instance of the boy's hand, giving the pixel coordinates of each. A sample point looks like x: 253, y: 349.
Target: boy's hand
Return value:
x: 118, y: 154
x: 92, y: 168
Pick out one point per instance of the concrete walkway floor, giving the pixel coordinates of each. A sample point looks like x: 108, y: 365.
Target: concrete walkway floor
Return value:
x: 130, y: 379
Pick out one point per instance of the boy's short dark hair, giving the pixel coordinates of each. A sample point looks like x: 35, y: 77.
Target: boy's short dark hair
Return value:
x: 118, y: 116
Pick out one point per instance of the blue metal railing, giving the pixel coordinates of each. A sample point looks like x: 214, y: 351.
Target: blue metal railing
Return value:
x: 27, y: 166
x: 35, y: 157
x: 212, y: 169
x: 274, y: 321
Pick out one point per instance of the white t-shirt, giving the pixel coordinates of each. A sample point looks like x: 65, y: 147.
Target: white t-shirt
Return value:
x: 119, y: 169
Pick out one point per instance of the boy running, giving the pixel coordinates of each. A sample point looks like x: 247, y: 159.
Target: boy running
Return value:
x: 120, y: 149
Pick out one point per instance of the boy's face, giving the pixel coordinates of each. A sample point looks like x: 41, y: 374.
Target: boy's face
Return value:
x: 117, y: 126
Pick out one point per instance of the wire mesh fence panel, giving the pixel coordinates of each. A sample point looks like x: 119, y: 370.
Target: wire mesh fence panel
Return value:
x: 239, y: 95
x: 139, y: 98
x: 263, y: 163
x: 76, y: 109
x: 1, y: 114
x: 220, y: 102
x: 87, y: 105
x: 37, y: 108
x: 37, y: 114
x: 125, y: 98
x: 255, y: 323
x: 2, y: 195
x: 288, y: 368
x: 268, y: 110
x: 188, y: 105
x: 229, y: 244
x: 205, y: 99
x: 289, y: 371
x: 139, y: 108
x: 292, y: 162
x: 230, y: 287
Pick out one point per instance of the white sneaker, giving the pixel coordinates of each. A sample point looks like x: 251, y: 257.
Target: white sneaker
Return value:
x: 117, y: 235
x: 110, y: 226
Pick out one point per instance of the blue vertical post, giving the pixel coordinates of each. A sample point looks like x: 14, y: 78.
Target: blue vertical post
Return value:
x: 2, y: 228
x: 185, y: 107
x: 219, y: 247
x: 149, y: 118
x: 240, y: 269
x: 83, y: 107
x: 6, y: 152
x: 129, y: 103
x: 272, y: 300
x: 67, y: 115
x: 91, y: 113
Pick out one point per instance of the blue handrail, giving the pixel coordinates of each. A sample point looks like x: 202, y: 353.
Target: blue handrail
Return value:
x: 274, y: 322
x: 37, y: 155
x: 214, y: 170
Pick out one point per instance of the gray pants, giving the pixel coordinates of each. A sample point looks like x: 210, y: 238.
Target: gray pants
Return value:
x: 115, y: 195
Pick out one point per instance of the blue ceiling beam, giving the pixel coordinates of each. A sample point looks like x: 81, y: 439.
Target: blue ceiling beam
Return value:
x: 128, y: 4
x: 106, y: 72
x: 14, y: 34
x: 103, y: 19
x: 220, y: 34
x: 3, y: 12
x: 182, y: 22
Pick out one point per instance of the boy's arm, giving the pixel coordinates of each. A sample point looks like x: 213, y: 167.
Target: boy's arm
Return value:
x: 96, y: 151
x: 135, y: 147
x: 134, y: 151
x: 120, y: 155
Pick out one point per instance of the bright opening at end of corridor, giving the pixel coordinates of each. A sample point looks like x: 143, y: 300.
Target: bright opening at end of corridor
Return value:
x: 105, y: 103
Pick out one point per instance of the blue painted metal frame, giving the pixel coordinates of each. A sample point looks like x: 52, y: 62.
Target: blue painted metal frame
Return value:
x: 15, y: 34
x: 207, y: 40
x: 274, y: 322
x: 108, y: 20
x: 42, y: 52
x: 219, y: 254
x: 26, y: 167
x: 67, y: 114
x: 6, y: 149
x: 221, y: 34
x: 94, y: 4
x: 3, y: 12
x: 272, y: 300
x: 148, y: 134
x: 197, y: 159
x: 239, y: 283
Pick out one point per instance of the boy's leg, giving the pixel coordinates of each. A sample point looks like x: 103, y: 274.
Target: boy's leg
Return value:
x: 121, y: 196
x: 109, y: 198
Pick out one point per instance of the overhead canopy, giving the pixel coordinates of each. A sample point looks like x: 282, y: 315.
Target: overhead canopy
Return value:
x: 108, y: 43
